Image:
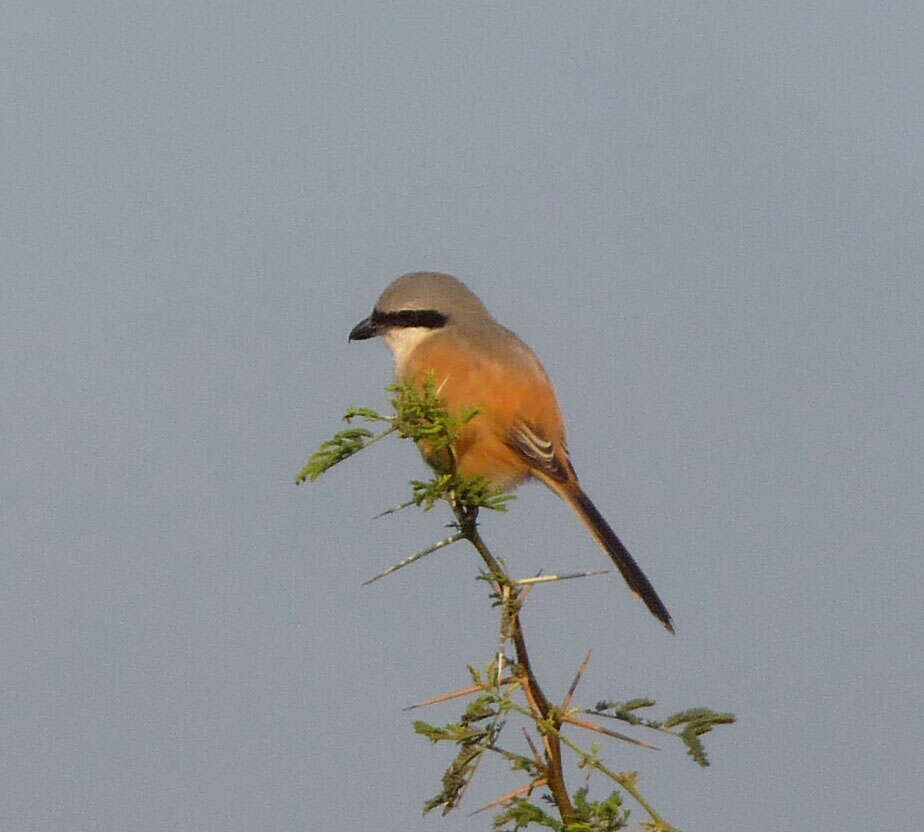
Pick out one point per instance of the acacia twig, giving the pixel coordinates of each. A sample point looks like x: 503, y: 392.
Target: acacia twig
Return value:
x: 548, y: 720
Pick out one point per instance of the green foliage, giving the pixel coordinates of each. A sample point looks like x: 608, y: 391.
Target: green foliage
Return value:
x: 589, y: 816
x: 623, y: 711
x: 696, y: 722
x: 598, y: 816
x: 342, y: 446
x: 480, y: 727
x: 693, y: 723
x: 366, y: 413
x: 471, y: 492
x: 455, y: 779
x: 472, y: 740
x: 522, y: 813
x: 419, y: 415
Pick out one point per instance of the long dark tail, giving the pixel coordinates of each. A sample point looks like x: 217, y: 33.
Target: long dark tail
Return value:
x: 571, y: 492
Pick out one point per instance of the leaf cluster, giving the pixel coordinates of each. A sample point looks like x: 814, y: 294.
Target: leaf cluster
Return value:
x: 470, y: 492
x: 336, y: 449
x: 693, y: 723
x: 474, y: 734
x: 480, y: 728
x: 419, y: 415
x: 589, y: 815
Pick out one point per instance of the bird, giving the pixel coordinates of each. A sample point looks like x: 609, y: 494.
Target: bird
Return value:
x: 434, y: 322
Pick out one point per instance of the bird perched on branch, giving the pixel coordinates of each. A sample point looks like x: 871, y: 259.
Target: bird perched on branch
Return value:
x: 433, y: 322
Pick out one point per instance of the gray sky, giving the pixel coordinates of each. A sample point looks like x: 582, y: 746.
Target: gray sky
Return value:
x: 705, y: 218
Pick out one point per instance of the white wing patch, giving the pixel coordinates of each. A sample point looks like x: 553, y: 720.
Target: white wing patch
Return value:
x: 541, y: 453
x: 533, y: 446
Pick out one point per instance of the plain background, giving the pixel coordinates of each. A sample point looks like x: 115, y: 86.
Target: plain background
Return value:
x: 706, y: 218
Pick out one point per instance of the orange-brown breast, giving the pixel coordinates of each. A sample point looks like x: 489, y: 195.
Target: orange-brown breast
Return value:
x: 507, y: 391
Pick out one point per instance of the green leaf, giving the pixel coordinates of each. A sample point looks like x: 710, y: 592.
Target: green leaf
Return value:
x: 522, y: 813
x: 342, y: 446
x: 696, y: 722
x: 366, y: 413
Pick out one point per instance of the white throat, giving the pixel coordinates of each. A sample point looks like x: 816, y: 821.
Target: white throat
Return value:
x: 403, y: 340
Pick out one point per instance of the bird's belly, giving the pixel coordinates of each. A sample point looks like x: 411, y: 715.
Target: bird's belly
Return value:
x: 478, y: 453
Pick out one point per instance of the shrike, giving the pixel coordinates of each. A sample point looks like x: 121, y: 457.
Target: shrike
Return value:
x: 434, y: 322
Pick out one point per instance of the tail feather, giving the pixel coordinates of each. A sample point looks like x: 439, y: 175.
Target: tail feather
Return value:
x: 607, y: 538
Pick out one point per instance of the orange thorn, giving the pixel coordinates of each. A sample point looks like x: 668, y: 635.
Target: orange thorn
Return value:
x: 567, y: 703
x: 446, y: 697
x: 532, y: 747
x: 511, y: 795
x: 583, y: 723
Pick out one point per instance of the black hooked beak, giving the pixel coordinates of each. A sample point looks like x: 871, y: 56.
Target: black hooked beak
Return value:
x: 367, y: 328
